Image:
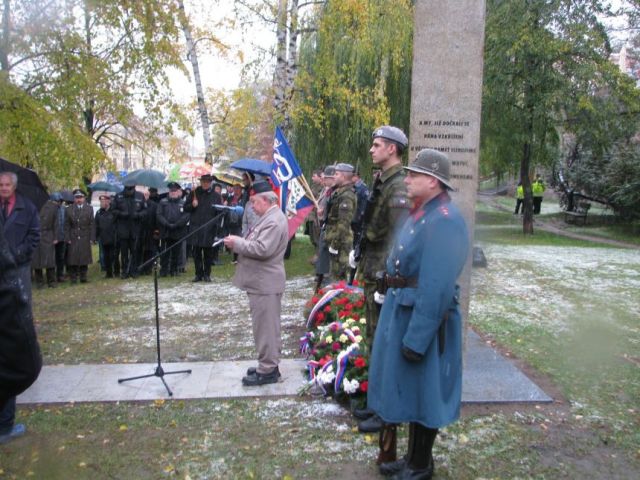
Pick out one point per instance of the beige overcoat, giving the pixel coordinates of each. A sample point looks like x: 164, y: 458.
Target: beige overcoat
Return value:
x: 260, y: 268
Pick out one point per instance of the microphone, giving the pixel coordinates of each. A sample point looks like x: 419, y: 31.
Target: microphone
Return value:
x: 236, y: 209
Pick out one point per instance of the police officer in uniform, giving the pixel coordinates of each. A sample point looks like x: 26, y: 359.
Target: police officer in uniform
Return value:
x: 415, y: 373
x: 129, y: 208
x: 172, y: 219
x: 79, y: 234
x: 387, y: 208
x: 338, y: 235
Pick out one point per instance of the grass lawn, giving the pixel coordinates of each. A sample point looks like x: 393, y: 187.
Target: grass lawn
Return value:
x: 567, y: 311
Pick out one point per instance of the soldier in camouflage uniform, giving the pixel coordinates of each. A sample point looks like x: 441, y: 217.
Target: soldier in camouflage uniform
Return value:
x: 386, y: 211
x: 338, y: 234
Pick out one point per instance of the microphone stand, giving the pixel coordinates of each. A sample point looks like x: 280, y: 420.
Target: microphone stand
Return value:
x: 159, y: 371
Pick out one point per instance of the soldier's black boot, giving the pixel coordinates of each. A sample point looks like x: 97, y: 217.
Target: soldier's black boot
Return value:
x: 388, y: 443
x: 419, y: 459
x: 393, y: 467
x: 319, y: 279
x: 83, y: 273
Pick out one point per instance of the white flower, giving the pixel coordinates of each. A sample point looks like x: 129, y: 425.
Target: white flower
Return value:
x: 358, y: 338
x: 327, y: 376
x: 349, y: 321
x: 356, y: 330
x: 363, y: 321
x: 350, y: 386
x: 329, y: 339
x: 343, y: 338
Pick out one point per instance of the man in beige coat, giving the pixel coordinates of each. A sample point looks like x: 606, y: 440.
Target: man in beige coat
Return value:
x: 260, y: 273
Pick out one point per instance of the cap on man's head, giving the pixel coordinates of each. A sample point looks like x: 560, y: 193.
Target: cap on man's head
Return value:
x: 55, y: 196
x: 261, y: 187
x: 173, y: 186
x: 434, y: 163
x: 344, y: 167
x: 392, y: 133
x: 104, y: 197
x: 78, y: 193
x: 329, y: 171
x: 206, y: 178
x: 153, y: 190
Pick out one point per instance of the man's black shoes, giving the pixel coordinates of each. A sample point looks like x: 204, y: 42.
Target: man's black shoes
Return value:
x: 255, y: 378
x: 197, y: 278
x: 392, y: 468
x: 370, y: 425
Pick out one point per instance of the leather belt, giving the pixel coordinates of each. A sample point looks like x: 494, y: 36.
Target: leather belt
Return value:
x: 397, y: 281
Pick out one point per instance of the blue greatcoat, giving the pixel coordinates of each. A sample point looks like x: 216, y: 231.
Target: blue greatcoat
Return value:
x: 432, y: 247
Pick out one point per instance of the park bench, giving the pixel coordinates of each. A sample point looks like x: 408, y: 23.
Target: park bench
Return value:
x: 579, y: 212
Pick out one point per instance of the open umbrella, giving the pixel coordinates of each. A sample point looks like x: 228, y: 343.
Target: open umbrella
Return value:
x: 253, y: 165
x: 29, y: 183
x: 105, y: 187
x: 226, y: 175
x: 67, y: 195
x: 194, y: 169
x: 147, y: 177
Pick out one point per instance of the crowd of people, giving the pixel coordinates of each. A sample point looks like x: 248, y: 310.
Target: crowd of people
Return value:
x: 403, y: 237
x: 132, y: 227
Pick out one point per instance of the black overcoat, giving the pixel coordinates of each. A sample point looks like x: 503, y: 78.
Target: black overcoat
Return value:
x: 201, y: 214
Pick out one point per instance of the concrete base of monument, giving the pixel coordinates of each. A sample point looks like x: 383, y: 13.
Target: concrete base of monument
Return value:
x: 488, y: 377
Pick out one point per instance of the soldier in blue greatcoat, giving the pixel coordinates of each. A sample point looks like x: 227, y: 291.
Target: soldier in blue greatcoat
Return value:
x: 416, y: 365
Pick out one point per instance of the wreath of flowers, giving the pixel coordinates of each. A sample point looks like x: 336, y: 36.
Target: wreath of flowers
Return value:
x: 335, y: 343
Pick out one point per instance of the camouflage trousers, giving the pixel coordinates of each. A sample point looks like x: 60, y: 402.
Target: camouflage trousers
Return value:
x: 372, y: 309
x: 340, y: 264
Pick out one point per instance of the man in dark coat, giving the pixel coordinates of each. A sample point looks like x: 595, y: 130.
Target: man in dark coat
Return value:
x: 61, y: 245
x: 200, y: 204
x: 130, y: 209
x: 150, y: 241
x: 105, y: 226
x: 20, y: 359
x: 45, y: 255
x: 79, y: 234
x: 172, y: 220
x: 415, y: 373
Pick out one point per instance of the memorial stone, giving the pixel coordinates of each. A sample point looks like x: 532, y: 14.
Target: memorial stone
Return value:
x: 446, y: 94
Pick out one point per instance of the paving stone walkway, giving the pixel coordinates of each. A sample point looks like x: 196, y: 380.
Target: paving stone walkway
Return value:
x: 488, y: 377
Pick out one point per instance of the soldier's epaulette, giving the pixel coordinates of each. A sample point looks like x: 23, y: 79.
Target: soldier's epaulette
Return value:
x: 399, y: 201
x: 444, y: 210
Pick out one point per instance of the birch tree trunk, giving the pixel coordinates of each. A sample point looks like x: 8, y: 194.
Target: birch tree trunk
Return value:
x: 202, y: 107
x: 4, y: 36
x: 292, y: 65
x: 280, y: 74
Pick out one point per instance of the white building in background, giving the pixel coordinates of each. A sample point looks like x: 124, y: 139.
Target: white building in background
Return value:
x: 627, y: 61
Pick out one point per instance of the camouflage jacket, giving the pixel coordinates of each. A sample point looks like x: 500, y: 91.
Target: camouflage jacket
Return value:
x: 340, y: 211
x: 388, y: 208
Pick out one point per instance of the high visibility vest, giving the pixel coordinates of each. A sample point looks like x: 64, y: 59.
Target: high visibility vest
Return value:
x: 520, y: 192
x: 538, y: 188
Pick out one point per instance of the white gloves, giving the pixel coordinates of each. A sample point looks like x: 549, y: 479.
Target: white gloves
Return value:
x: 333, y: 251
x: 352, y: 259
x: 378, y: 298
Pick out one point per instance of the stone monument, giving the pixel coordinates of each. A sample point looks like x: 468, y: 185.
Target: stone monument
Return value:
x: 446, y: 93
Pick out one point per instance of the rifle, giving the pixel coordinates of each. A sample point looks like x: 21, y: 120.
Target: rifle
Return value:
x: 360, y: 242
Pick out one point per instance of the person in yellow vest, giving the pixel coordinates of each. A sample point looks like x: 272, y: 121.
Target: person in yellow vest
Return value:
x: 519, y: 198
x: 538, y: 192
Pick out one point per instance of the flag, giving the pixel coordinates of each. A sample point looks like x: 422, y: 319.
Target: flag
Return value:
x: 289, y: 183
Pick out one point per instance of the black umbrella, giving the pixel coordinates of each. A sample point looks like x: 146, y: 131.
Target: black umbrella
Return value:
x: 67, y: 195
x: 105, y: 187
x: 29, y: 184
x: 146, y: 177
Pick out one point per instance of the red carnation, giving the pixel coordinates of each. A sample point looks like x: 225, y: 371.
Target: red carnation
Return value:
x: 364, y: 386
x: 355, y: 283
x: 360, y: 362
x: 356, y: 316
x: 348, y: 306
x: 314, y: 300
x: 327, y: 308
x: 336, y: 346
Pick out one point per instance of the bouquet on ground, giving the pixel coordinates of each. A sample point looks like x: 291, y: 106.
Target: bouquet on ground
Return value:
x: 335, y: 343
